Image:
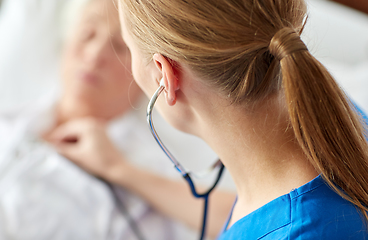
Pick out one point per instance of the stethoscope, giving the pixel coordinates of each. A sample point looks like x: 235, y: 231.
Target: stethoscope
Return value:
x: 185, y: 174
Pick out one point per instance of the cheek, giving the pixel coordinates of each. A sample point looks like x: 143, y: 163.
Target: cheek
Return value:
x: 118, y: 68
x: 120, y: 79
x: 138, y: 73
x: 72, y: 49
x: 123, y: 69
x: 142, y: 75
x: 68, y: 67
x: 71, y: 58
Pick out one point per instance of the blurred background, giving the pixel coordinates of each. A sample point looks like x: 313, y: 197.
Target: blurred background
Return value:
x: 32, y: 34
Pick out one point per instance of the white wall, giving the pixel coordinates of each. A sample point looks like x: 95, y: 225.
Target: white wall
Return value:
x: 338, y: 37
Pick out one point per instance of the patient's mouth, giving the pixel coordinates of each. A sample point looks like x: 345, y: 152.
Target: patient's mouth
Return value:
x: 88, y: 77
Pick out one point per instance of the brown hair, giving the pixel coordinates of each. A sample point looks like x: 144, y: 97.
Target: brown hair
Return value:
x: 249, y: 49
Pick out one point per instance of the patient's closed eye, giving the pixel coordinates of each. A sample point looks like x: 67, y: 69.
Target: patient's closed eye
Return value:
x: 87, y: 34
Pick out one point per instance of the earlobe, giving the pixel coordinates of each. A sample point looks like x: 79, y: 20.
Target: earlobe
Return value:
x: 170, y: 80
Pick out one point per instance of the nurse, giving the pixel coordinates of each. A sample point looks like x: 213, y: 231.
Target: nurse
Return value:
x: 237, y: 75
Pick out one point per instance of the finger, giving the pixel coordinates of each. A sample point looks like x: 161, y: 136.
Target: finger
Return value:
x: 61, y: 137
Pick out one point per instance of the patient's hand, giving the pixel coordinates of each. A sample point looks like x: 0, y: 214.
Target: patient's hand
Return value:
x: 84, y: 141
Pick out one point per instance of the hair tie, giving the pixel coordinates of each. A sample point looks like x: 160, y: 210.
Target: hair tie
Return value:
x: 285, y: 42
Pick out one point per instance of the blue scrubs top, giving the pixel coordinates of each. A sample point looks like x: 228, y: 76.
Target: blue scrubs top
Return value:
x: 361, y: 113
x: 312, y: 211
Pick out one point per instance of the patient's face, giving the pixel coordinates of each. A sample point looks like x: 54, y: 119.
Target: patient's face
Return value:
x: 96, y: 64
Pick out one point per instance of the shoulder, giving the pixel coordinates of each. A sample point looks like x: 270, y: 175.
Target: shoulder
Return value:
x: 8, y: 121
x: 31, y: 117
x: 313, y: 211
x: 318, y: 212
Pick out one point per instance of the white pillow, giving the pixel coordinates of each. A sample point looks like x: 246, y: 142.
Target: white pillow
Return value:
x: 31, y: 33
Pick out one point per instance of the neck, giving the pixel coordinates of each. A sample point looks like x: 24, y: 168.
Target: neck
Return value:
x: 72, y: 108
x: 68, y: 110
x: 260, y: 151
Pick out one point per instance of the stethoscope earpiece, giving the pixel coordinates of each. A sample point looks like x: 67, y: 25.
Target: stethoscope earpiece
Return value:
x: 162, y: 83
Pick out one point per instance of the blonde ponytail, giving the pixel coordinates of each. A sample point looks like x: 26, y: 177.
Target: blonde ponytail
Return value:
x: 326, y: 127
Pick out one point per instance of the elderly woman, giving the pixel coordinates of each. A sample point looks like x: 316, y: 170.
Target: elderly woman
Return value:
x: 44, y: 195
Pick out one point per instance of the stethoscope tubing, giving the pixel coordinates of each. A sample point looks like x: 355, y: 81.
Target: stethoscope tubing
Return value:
x: 155, y: 135
x: 178, y: 166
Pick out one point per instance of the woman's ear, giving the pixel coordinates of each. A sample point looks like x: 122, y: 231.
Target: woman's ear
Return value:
x: 169, y: 76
